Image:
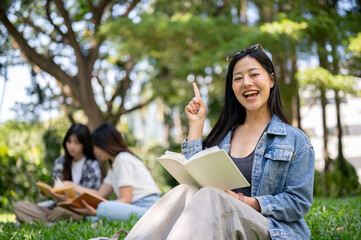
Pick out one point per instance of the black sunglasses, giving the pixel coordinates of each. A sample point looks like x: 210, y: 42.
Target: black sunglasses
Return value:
x: 247, y: 50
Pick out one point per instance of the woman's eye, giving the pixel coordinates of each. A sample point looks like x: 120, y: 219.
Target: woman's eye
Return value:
x: 236, y: 79
x: 254, y: 74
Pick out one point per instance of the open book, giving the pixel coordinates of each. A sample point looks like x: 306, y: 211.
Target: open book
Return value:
x: 92, y: 199
x: 58, y: 188
x: 211, y: 167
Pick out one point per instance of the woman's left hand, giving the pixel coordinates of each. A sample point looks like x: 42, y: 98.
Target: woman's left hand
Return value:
x: 235, y: 195
x: 87, y: 211
x: 250, y: 201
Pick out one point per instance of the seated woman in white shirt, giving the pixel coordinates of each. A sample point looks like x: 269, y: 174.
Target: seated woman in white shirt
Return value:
x: 127, y: 177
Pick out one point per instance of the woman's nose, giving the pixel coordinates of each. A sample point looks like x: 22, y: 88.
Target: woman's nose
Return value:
x: 247, y: 80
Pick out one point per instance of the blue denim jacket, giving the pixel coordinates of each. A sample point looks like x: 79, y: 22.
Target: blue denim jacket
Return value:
x: 282, y: 177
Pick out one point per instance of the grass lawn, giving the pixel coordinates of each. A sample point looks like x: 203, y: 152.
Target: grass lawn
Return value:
x: 327, y: 219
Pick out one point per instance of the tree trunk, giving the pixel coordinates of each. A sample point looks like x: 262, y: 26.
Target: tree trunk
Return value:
x: 296, y: 116
x: 86, y: 96
x: 286, y: 90
x: 339, y: 133
x: 322, y: 54
x: 243, y: 11
x: 325, y: 131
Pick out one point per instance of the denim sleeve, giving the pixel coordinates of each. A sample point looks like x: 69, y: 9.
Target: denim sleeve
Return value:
x: 296, y: 198
x: 189, y: 148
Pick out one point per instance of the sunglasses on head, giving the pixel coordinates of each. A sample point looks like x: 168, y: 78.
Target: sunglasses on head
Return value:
x: 246, y: 50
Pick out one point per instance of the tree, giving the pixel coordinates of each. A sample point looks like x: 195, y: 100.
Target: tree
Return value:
x: 319, y: 80
x: 61, y: 38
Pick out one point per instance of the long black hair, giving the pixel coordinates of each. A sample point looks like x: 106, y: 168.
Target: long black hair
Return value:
x: 107, y: 138
x: 233, y: 113
x: 82, y: 133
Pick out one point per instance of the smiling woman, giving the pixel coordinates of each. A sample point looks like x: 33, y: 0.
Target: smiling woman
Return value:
x: 251, y: 86
x: 276, y: 158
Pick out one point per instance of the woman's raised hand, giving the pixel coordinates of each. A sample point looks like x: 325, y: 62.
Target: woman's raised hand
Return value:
x: 196, y: 108
x: 196, y: 113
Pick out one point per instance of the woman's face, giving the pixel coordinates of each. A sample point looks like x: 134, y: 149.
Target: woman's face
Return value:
x: 74, y: 147
x: 251, y: 84
x: 101, y: 154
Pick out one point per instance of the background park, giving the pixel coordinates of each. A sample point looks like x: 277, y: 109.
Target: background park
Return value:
x: 131, y: 63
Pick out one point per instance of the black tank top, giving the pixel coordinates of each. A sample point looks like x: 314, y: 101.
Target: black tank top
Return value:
x: 245, y: 165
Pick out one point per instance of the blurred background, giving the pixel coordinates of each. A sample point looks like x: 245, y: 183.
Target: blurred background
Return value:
x: 131, y: 63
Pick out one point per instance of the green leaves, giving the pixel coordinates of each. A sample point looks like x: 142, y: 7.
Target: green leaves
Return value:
x: 285, y: 27
x: 355, y: 45
x: 320, y: 78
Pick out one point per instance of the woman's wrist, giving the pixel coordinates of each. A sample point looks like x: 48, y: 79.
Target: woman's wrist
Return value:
x: 195, y: 130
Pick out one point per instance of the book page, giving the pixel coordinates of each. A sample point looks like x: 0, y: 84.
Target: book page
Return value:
x: 69, y: 190
x: 45, y: 188
x: 217, y: 170
x: 174, y: 155
x: 58, y: 183
x: 176, y: 168
x: 204, y: 152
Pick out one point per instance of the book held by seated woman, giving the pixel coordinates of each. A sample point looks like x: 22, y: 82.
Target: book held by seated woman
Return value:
x: 211, y: 167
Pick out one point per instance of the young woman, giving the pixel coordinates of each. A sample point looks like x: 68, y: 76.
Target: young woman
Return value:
x: 127, y: 176
x: 276, y: 158
x: 77, y: 165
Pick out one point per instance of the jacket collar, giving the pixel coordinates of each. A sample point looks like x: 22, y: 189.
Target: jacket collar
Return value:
x: 277, y: 127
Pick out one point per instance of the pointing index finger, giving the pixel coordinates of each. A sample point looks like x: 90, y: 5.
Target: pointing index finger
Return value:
x: 196, y: 91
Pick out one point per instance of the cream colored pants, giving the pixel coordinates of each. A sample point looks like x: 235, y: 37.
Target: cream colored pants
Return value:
x: 26, y: 211
x: 209, y: 213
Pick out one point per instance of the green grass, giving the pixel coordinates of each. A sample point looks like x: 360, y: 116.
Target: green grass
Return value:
x: 327, y: 219
x: 63, y: 229
x: 335, y: 218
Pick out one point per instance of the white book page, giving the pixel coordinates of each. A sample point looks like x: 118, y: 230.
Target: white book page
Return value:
x: 204, y: 152
x: 217, y: 170
x: 177, y: 156
x: 58, y: 183
x: 176, y: 168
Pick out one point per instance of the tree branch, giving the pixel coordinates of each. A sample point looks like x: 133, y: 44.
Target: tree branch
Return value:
x: 130, y: 7
x: 98, y: 11
x: 47, y: 9
x: 121, y: 111
x: 70, y: 34
x: 28, y: 21
x: 36, y: 28
x: 45, y: 63
x: 122, y: 87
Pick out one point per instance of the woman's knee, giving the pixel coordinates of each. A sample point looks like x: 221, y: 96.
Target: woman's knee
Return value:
x: 20, y: 205
x: 104, y: 208
x: 184, y: 187
x: 209, y: 191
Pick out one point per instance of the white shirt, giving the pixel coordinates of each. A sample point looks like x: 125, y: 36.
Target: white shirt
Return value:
x: 76, y: 170
x: 128, y: 170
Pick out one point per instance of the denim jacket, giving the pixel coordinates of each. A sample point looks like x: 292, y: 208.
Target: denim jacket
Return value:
x: 282, y: 177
